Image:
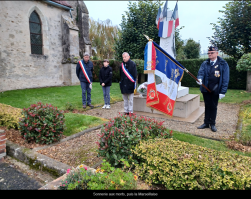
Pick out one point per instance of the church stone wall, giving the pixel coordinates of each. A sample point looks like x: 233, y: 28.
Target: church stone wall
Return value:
x: 20, y: 69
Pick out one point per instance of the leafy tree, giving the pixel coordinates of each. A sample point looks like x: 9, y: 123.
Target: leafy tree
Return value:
x: 233, y: 32
x: 192, y: 49
x: 179, y: 45
x: 139, y: 20
x: 103, y: 35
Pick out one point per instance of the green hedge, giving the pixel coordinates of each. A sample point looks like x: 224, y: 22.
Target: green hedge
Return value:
x: 237, y: 79
x: 179, y: 166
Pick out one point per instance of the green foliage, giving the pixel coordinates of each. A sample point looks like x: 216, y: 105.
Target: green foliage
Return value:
x: 122, y: 134
x: 243, y: 135
x: 232, y: 32
x: 42, y: 123
x: 139, y: 65
x: 9, y: 116
x: 69, y: 106
x: 244, y: 63
x: 103, y: 36
x: 105, y: 178
x: 179, y: 45
x: 192, y: 49
x: 182, y: 166
x: 139, y: 20
x: 237, y: 80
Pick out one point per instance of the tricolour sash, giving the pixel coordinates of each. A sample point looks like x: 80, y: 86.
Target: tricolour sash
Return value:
x: 130, y: 77
x: 84, y: 71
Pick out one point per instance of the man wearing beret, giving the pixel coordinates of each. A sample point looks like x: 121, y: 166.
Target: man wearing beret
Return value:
x: 214, y: 74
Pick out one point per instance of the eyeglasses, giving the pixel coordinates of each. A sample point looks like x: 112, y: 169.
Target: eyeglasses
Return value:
x: 210, y: 53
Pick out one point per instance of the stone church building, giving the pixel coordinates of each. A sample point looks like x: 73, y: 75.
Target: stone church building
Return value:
x: 41, y: 42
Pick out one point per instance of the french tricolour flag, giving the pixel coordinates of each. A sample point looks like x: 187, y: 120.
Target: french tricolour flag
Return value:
x: 175, y: 16
x: 149, y: 57
x: 163, y: 84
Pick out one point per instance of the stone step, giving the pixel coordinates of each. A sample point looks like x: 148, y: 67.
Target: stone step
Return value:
x: 184, y: 106
x: 191, y: 118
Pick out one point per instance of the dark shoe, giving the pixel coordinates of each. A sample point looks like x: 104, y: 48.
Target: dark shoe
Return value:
x: 203, y: 126
x: 126, y: 113
x: 213, y: 128
x: 91, y: 105
x: 84, y: 106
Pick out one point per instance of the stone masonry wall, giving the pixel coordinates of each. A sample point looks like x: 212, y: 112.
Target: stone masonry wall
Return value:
x: 2, y: 145
x: 20, y: 69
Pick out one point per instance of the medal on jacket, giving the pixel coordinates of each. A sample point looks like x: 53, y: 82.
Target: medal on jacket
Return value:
x: 84, y: 71
x: 216, y: 66
x: 130, y: 77
x: 217, y: 73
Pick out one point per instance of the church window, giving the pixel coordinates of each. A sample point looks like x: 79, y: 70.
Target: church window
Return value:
x: 35, y: 34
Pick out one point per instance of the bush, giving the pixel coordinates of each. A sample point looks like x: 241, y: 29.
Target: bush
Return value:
x: 122, y: 134
x: 244, y: 63
x: 69, y: 106
x: 105, y: 178
x: 180, y: 165
x: 243, y: 135
x: 42, y: 123
x: 9, y: 116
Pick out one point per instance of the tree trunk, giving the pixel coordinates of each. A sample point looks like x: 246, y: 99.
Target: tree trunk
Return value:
x: 248, y: 87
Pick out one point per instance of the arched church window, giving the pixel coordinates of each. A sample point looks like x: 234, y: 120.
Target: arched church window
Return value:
x: 35, y: 34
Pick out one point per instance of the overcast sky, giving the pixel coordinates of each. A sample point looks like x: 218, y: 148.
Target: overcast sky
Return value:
x: 196, y: 16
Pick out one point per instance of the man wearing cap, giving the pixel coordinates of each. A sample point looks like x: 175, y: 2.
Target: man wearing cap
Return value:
x: 84, y: 72
x: 214, y: 74
x: 128, y: 75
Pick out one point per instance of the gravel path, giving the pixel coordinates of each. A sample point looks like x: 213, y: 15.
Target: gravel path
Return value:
x: 82, y: 150
x: 226, y: 120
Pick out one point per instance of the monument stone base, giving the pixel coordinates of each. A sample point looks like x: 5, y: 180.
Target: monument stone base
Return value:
x: 186, y: 108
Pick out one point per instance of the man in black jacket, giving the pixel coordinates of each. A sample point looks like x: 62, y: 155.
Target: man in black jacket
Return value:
x: 214, y: 74
x: 105, y: 78
x: 86, y: 82
x: 127, y: 86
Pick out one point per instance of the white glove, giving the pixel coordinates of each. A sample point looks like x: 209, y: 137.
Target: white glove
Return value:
x: 200, y: 82
x: 90, y: 86
x: 221, y: 96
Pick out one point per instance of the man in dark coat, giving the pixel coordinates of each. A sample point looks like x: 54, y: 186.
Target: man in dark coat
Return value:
x: 85, y: 85
x: 214, y: 74
x: 126, y: 85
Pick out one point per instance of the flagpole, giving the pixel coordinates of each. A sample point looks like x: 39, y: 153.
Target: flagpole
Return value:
x: 189, y: 73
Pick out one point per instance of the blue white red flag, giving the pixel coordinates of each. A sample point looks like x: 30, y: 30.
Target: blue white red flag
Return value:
x: 149, y: 57
x: 163, y: 84
x: 175, y: 15
x: 158, y: 15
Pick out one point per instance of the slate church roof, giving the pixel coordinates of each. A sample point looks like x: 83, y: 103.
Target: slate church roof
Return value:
x: 62, y: 3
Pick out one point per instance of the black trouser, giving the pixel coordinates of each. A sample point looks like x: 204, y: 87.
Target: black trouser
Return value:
x: 211, y: 103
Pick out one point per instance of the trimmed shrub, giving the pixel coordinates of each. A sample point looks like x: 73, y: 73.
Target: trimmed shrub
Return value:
x: 244, y: 63
x: 122, y: 134
x: 42, y: 123
x: 180, y: 165
x: 9, y: 116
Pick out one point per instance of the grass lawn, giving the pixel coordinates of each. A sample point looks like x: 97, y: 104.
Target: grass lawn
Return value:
x: 58, y: 96
x: 212, y: 144
x: 232, y: 96
x: 76, y: 123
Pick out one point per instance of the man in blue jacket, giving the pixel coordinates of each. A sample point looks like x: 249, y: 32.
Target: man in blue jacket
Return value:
x: 85, y: 79
x: 214, y: 74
